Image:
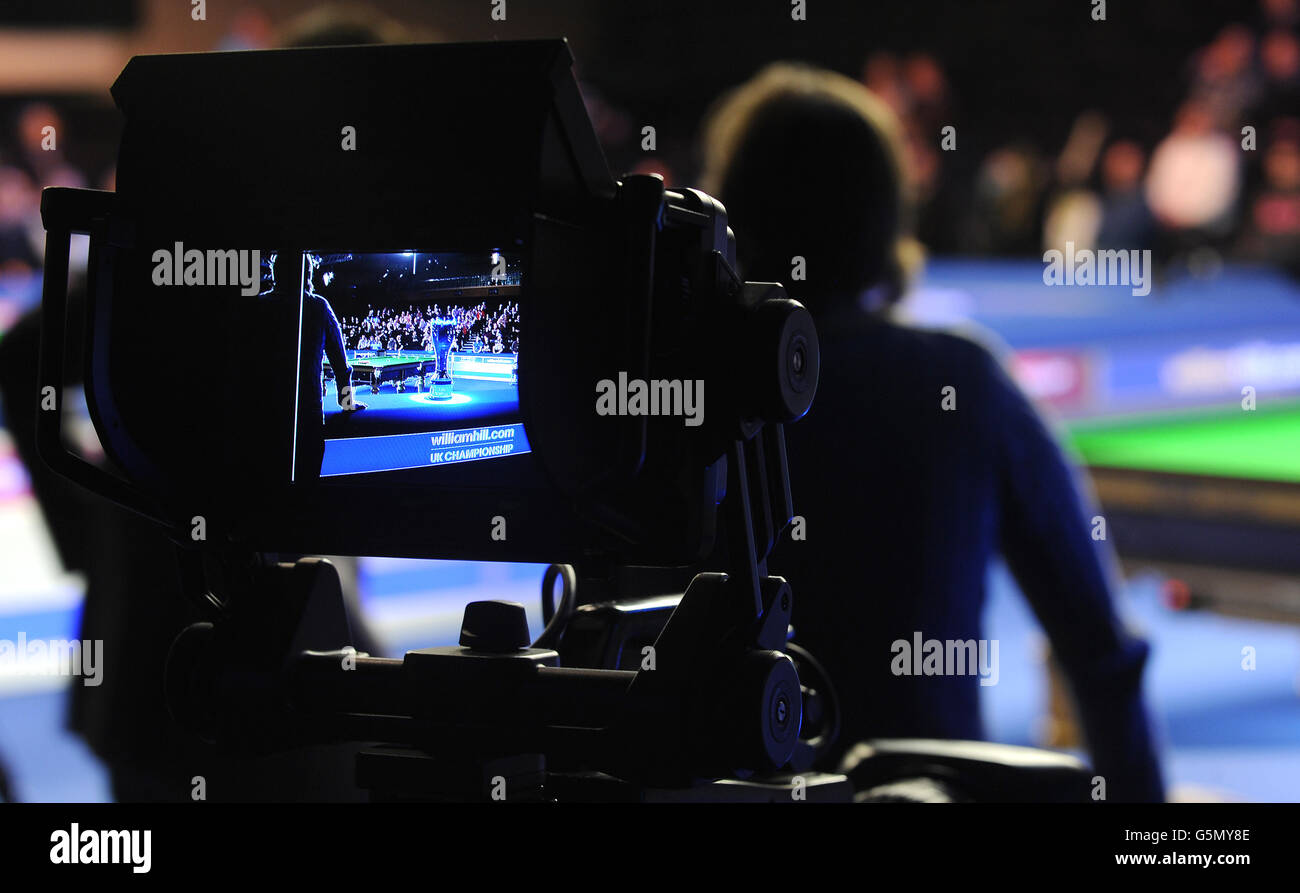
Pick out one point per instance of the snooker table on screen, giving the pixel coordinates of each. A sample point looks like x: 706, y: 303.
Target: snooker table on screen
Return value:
x: 376, y: 370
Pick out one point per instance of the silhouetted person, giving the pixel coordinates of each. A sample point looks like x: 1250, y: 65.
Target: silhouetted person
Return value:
x: 906, y: 502
x: 321, y: 337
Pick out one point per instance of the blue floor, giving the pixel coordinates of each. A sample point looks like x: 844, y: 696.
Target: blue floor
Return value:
x: 45, y: 763
x: 415, y: 410
x: 1227, y: 732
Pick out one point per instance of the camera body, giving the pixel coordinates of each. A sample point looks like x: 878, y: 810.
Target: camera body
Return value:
x: 562, y: 367
x: 199, y: 386
x: 569, y: 371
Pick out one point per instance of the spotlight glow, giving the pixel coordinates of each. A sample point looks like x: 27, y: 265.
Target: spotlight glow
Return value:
x: 453, y: 400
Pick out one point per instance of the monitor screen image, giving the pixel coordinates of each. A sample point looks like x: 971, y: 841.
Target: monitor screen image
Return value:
x: 407, y: 359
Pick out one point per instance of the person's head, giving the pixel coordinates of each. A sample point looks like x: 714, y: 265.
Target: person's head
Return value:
x: 342, y: 24
x: 1282, y: 158
x: 1194, y: 118
x: 287, y: 268
x: 32, y: 121
x: 1279, y: 55
x: 808, y: 164
x: 1122, y: 166
x: 1280, y: 12
x: 278, y: 268
x: 1228, y: 55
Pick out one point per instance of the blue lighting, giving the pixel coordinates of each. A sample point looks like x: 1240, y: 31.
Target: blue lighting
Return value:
x: 453, y: 400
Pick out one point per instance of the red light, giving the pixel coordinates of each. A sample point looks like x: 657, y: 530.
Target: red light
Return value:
x: 1176, y: 594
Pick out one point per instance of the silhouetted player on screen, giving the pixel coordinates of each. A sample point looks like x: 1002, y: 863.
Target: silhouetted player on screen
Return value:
x: 906, y: 497
x: 321, y: 338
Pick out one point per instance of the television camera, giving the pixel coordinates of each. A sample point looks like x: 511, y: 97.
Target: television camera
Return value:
x: 579, y: 377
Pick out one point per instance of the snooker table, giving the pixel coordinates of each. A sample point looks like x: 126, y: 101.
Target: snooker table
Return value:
x: 1149, y: 388
x: 375, y: 370
x: 1209, y: 498
x: 1197, y: 493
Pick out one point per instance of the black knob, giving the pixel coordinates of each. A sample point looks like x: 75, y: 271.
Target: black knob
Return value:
x: 496, y: 626
x: 792, y: 379
x: 761, y: 711
x: 781, y: 357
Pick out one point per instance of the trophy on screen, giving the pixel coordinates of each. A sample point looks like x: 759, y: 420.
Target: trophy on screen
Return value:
x: 443, y: 331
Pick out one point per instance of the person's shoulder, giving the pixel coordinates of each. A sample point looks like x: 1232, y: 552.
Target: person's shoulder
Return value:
x: 319, y: 303
x: 961, y: 345
x: 966, y: 342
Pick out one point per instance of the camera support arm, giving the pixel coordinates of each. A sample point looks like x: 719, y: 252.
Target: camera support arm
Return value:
x: 759, y: 485
x: 736, y: 700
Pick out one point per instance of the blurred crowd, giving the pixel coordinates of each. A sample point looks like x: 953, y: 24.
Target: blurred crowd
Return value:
x: 30, y: 159
x: 1221, y: 182
x: 479, y: 329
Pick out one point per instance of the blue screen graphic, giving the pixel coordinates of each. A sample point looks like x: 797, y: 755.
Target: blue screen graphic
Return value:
x: 418, y: 360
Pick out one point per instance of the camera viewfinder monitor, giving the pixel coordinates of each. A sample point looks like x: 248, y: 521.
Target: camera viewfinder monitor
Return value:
x: 406, y: 360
